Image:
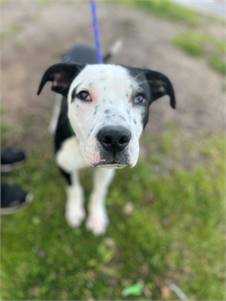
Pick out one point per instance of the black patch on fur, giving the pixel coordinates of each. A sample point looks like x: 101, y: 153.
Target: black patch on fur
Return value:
x: 74, y: 93
x: 63, y: 130
x: 143, y: 85
x: 154, y: 85
x: 81, y: 55
x: 62, y: 133
x: 61, y: 76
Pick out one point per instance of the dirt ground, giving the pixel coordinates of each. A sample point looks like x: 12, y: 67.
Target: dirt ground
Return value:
x: 34, y: 34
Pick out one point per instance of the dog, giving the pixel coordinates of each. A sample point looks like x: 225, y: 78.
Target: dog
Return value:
x: 104, y: 109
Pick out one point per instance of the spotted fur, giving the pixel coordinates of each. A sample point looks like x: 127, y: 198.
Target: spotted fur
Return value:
x: 94, y: 97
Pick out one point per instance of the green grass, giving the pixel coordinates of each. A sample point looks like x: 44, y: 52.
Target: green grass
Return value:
x: 200, y: 45
x: 175, y: 232
x: 192, y: 43
x: 8, y: 133
x: 167, y: 9
x: 218, y: 64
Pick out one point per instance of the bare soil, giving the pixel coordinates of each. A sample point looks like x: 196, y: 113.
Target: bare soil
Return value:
x: 34, y: 35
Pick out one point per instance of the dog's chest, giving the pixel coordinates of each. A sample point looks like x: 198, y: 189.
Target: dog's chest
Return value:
x: 69, y: 157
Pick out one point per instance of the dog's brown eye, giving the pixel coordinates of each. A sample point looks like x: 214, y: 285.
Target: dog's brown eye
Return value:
x: 139, y: 99
x: 84, y: 96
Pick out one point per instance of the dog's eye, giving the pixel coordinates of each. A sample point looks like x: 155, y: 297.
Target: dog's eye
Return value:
x: 139, y: 99
x: 84, y: 96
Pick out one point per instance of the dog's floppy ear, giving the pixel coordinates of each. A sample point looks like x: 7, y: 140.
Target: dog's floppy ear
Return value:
x: 61, y: 76
x: 160, y: 85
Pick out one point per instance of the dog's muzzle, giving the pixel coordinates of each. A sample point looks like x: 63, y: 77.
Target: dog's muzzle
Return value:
x: 113, y: 142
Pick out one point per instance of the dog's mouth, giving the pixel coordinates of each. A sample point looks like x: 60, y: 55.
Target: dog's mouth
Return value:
x: 110, y: 164
x: 112, y: 159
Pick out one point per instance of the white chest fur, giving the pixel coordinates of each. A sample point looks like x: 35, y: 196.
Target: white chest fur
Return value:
x: 69, y: 157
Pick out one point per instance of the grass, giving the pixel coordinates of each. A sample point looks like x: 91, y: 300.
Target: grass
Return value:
x: 193, y: 43
x: 200, y: 45
x: 172, y: 233
x: 218, y: 64
x: 8, y: 131
x: 167, y: 9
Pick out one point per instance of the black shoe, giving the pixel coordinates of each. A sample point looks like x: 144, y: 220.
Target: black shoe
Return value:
x: 13, y: 198
x: 11, y: 158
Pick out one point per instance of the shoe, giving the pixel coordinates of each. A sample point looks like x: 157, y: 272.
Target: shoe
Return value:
x: 11, y: 158
x: 13, y: 198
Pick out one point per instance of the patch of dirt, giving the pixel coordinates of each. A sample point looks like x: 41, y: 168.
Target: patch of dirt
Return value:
x: 40, y: 31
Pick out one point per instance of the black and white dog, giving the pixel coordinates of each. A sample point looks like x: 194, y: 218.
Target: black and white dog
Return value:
x: 104, y: 109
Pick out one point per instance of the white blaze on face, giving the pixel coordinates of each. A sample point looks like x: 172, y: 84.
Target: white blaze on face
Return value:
x: 111, y: 88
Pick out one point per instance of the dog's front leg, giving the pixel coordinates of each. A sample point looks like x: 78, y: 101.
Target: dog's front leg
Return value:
x: 75, y: 212
x: 98, y: 219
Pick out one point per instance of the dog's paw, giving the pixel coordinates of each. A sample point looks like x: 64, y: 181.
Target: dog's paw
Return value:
x: 97, y: 221
x: 75, y: 217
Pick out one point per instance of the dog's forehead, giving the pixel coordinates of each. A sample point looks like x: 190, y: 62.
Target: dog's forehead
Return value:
x: 106, y: 75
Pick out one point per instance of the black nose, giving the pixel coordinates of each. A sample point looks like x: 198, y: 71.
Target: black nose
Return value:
x: 114, y: 139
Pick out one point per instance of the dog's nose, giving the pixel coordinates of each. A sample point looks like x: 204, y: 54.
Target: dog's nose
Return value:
x: 114, y: 139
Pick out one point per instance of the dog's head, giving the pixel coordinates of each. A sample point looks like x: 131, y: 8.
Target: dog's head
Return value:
x: 108, y: 107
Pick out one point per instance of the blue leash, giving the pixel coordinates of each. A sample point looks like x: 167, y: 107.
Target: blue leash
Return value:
x: 96, y: 32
